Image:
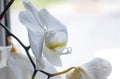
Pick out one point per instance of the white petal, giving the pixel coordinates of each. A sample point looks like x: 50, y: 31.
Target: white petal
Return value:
x: 29, y: 21
x: 35, y: 33
x: 36, y: 42
x: 98, y: 68
x: 51, y: 22
x: 4, y: 53
x: 40, y: 63
x: 51, y: 57
x: 29, y: 7
x: 19, y: 67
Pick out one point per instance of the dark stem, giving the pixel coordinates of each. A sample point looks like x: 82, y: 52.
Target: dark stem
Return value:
x: 30, y: 58
x: 46, y: 73
x: 48, y: 77
x: 6, y: 8
x: 34, y: 74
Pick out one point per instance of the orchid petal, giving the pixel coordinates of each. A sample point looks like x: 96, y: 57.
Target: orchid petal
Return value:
x: 35, y: 33
x: 98, y: 68
x: 51, y: 57
x: 36, y: 42
x: 4, y: 53
x: 18, y: 66
x: 40, y: 63
x: 29, y: 21
x: 29, y: 7
x: 51, y: 23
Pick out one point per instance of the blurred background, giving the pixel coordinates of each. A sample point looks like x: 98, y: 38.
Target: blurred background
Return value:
x: 93, y: 29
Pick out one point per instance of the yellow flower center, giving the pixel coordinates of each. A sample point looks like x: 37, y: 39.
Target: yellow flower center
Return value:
x: 54, y: 45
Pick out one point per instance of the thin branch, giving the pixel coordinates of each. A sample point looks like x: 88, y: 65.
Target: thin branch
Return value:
x: 34, y: 74
x: 48, y: 77
x: 58, y: 73
x: 30, y: 58
x: 6, y: 8
x: 63, y: 72
x: 46, y: 73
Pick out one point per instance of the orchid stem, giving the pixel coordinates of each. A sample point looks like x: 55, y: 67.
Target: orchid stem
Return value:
x: 58, y: 73
x: 6, y: 8
x: 34, y: 74
x: 46, y: 73
x: 63, y: 72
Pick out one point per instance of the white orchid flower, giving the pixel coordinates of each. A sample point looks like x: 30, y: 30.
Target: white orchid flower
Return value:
x: 46, y: 35
x: 98, y: 68
x: 19, y: 67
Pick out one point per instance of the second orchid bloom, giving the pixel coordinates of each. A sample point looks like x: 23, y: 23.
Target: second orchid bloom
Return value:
x: 47, y: 36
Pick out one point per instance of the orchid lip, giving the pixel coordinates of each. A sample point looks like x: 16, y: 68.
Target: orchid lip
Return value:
x: 65, y: 51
